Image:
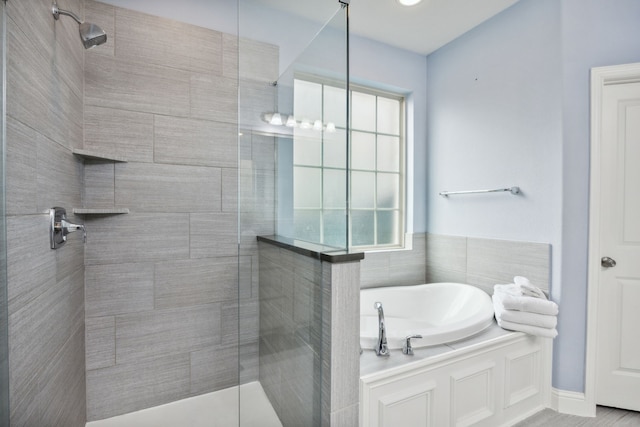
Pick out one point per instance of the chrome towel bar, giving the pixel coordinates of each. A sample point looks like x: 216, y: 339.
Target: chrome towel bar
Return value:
x: 512, y: 190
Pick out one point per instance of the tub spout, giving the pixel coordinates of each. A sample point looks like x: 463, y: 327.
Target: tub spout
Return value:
x: 381, y: 347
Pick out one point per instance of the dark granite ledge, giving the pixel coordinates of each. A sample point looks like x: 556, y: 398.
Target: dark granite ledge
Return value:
x: 312, y: 250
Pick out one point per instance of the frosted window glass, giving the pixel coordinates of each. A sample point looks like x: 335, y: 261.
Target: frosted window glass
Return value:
x: 388, y: 116
x: 335, y: 106
x: 387, y: 227
x: 363, y: 151
x: 306, y: 187
x: 335, y: 228
x: 334, y: 189
x: 307, y: 151
x: 388, y: 190
x: 307, y: 100
x: 306, y: 225
x: 363, y: 112
x: 363, y: 190
x: 335, y: 149
x: 388, y: 153
x: 362, y: 228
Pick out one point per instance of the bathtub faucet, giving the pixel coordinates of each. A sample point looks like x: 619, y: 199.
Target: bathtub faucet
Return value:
x: 381, y: 346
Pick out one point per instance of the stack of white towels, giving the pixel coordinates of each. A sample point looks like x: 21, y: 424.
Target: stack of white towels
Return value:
x: 520, y: 306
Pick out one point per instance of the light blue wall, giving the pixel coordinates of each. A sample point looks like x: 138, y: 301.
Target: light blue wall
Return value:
x: 594, y: 33
x: 525, y: 121
x: 494, y: 117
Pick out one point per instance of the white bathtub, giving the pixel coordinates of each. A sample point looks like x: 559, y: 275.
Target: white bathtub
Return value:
x: 440, y: 312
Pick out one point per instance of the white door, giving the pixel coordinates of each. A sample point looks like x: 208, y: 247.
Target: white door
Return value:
x: 618, y: 321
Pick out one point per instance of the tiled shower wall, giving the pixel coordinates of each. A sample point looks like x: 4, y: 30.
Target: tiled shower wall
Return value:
x: 162, y: 281
x: 45, y: 287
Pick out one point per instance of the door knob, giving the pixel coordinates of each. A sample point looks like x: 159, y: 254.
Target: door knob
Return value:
x: 607, y: 262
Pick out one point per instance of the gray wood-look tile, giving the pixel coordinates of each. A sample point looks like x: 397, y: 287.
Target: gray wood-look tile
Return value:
x: 40, y: 329
x: 135, y: 86
x: 99, y: 187
x: 137, y: 385
x: 446, y: 253
x: 195, y: 142
x: 229, y: 190
x: 57, y: 41
x: 240, y: 322
x: 374, y: 270
x: 103, y: 15
x: 214, y: 368
x: 161, y: 41
x: 59, y: 177
x: 256, y: 99
x: 249, y: 362
x: 70, y: 258
x: 122, y: 133
x: 137, y: 237
x: 65, y: 372
x: 31, y: 264
x: 21, y: 166
x: 100, y: 342
x: 114, y: 289
x: 263, y: 152
x: 492, y: 262
x: 258, y: 60
x: 213, y: 235
x: 437, y: 275
x: 346, y: 417
x: 224, y: 90
x: 345, y: 335
x: 196, y: 281
x: 605, y: 417
x: 230, y: 56
x: 148, y: 187
x: 169, y: 331
x: 36, y: 96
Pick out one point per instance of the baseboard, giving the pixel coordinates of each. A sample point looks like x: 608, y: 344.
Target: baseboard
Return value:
x: 571, y: 403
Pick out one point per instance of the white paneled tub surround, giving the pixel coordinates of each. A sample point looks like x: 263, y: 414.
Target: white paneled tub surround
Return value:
x: 490, y: 382
x: 438, y: 312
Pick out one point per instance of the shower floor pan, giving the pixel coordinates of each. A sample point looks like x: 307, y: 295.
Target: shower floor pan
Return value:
x: 219, y: 408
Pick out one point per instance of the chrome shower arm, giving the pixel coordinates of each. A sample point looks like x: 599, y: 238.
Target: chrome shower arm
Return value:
x: 57, y: 12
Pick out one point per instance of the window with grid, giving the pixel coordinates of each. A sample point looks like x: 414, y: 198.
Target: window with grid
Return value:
x: 320, y: 163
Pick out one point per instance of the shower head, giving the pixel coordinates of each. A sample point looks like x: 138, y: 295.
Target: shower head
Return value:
x: 90, y: 34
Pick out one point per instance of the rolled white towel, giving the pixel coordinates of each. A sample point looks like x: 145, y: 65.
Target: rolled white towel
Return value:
x: 527, y: 288
x: 532, y: 330
x: 522, y: 317
x: 512, y: 301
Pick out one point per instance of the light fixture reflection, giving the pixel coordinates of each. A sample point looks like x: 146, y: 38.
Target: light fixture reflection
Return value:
x: 409, y: 2
x: 331, y: 127
x: 291, y: 122
x: 317, y: 125
x: 276, y: 119
x: 305, y: 124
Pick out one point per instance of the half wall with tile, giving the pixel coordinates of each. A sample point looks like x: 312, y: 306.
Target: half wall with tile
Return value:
x: 309, y: 336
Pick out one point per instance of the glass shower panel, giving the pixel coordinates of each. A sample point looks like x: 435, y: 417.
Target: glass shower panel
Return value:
x: 4, y: 350
x: 292, y: 185
x: 312, y: 95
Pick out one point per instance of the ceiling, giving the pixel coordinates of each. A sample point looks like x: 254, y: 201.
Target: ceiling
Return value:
x: 422, y: 28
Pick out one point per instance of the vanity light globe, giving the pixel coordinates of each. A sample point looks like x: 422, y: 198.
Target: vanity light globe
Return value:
x: 409, y: 2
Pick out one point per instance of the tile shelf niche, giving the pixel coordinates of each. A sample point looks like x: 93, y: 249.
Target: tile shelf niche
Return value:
x: 96, y: 156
